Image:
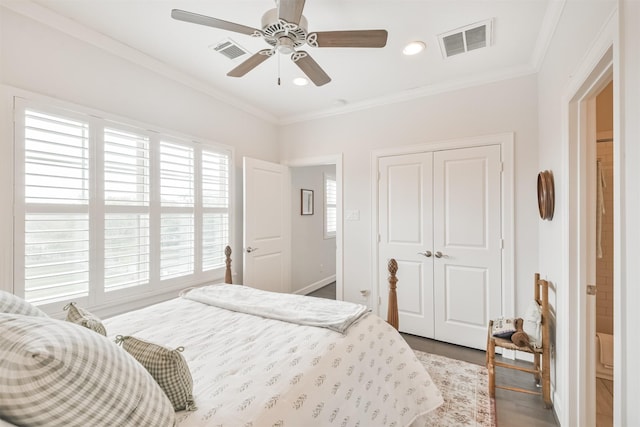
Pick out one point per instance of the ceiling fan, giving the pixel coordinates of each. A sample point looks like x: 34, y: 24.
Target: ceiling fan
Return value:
x: 285, y: 29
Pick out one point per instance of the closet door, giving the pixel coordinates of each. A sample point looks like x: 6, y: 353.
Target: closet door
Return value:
x: 405, y: 233
x: 467, y: 243
x: 439, y: 217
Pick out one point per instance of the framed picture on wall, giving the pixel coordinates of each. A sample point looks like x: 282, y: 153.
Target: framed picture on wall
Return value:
x: 306, y: 202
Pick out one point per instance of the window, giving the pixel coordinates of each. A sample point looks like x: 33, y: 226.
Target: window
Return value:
x: 330, y: 218
x: 105, y: 209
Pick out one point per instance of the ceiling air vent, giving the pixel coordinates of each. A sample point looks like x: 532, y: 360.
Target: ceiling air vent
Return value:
x: 465, y: 39
x: 229, y: 48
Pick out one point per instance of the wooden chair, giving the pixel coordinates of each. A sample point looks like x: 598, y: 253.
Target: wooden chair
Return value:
x: 541, y: 356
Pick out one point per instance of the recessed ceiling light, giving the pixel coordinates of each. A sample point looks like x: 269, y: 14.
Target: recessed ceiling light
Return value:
x: 300, y: 81
x: 414, y: 48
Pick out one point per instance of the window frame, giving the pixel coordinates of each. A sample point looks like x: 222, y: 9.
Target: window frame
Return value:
x: 97, y: 209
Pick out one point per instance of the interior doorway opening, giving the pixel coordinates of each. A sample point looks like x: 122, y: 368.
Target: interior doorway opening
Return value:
x: 582, y: 203
x: 604, y: 256
x: 313, y: 228
x: 317, y: 242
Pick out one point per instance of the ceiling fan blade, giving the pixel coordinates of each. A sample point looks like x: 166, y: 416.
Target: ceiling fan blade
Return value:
x: 194, y: 18
x: 291, y: 10
x: 251, y: 63
x: 355, y: 38
x: 310, y: 67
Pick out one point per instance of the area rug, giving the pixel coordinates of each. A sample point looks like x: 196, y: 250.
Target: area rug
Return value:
x: 464, y: 388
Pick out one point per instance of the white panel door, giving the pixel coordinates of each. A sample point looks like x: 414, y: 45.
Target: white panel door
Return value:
x: 439, y: 217
x: 405, y: 227
x: 467, y: 243
x: 266, y: 203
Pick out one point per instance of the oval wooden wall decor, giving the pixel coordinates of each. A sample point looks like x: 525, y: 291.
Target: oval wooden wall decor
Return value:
x: 546, y: 195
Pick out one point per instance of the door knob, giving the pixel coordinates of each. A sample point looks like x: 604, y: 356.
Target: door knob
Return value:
x: 250, y: 249
x: 426, y: 254
x: 439, y: 254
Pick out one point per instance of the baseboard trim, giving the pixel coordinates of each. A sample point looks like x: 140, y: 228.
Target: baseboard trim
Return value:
x: 315, y: 286
x: 520, y: 355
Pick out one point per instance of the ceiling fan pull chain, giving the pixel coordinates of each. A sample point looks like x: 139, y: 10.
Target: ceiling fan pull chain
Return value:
x: 278, y: 70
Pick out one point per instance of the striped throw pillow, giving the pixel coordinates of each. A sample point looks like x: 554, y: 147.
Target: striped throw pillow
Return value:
x: 10, y: 303
x: 55, y: 373
x: 168, y: 367
x: 82, y: 317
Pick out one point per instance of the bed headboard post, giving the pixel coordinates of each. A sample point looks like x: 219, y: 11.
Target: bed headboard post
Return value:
x: 392, y: 310
x: 227, y: 271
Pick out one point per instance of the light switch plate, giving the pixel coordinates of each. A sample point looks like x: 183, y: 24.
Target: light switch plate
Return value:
x: 352, y: 215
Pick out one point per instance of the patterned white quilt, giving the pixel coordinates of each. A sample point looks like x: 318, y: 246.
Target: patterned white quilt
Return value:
x: 252, y: 371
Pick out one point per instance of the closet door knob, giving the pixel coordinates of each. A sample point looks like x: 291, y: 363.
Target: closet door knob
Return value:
x: 250, y: 249
x: 426, y: 254
x: 439, y: 254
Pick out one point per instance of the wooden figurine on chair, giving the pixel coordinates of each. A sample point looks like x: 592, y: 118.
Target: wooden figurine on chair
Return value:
x: 530, y: 335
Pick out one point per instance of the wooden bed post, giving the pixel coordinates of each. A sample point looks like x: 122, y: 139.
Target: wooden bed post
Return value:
x: 392, y: 310
x: 227, y: 271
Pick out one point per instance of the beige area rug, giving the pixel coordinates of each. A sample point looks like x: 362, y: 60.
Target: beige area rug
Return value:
x: 464, y: 388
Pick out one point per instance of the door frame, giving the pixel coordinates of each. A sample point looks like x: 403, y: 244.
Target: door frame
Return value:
x: 506, y: 142
x: 335, y: 159
x: 580, y: 152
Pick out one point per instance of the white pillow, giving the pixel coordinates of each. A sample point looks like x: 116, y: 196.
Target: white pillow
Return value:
x: 56, y: 373
x: 531, y: 324
x: 10, y: 303
x: 503, y: 327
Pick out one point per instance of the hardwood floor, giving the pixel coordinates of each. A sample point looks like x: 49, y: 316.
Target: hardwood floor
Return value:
x: 328, y: 292
x: 513, y: 409
x: 604, y: 403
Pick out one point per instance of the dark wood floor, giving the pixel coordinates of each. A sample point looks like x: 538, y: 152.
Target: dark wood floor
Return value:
x: 513, y: 409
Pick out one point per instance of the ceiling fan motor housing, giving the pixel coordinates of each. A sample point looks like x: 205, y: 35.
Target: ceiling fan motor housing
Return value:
x: 284, y: 36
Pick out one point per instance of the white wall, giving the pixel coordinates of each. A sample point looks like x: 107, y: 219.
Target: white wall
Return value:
x: 507, y: 106
x: 40, y: 59
x: 577, y: 31
x: 313, y: 258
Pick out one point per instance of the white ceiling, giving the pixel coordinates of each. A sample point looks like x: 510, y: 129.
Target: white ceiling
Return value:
x: 360, y: 77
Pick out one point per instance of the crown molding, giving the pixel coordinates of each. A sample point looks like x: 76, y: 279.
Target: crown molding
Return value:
x: 547, y: 30
x: 421, y: 92
x: 76, y: 30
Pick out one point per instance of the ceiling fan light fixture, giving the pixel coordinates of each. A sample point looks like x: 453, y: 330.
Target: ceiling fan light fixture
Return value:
x: 285, y: 46
x: 414, y: 48
x: 300, y: 81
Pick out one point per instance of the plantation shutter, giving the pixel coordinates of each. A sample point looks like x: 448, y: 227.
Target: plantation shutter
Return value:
x: 107, y: 211
x: 330, y: 213
x: 56, y: 195
x: 215, y: 206
x: 177, y: 225
x: 126, y: 199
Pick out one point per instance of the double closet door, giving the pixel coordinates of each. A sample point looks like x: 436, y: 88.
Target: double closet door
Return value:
x: 439, y: 217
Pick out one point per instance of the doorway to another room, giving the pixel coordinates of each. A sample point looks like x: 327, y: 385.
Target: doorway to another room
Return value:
x: 314, y: 229
x: 604, y: 256
x: 591, y: 238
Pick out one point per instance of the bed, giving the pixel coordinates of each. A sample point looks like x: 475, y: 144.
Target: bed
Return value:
x: 251, y: 370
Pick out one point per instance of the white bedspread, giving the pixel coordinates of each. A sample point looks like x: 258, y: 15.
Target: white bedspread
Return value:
x: 251, y: 371
x: 324, y: 313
